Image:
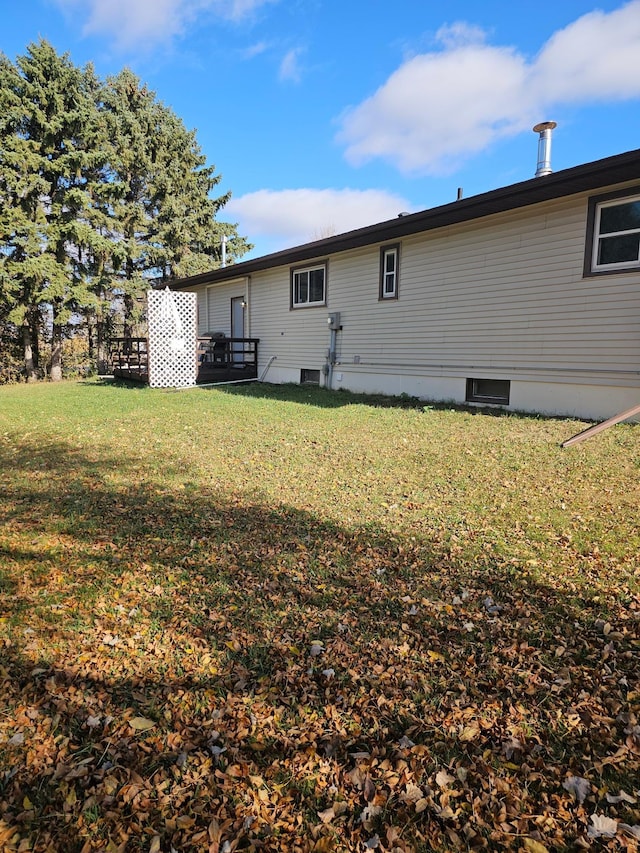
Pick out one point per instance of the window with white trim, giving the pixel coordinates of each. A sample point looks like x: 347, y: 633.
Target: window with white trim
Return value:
x: 389, y: 269
x: 308, y: 286
x: 615, y: 226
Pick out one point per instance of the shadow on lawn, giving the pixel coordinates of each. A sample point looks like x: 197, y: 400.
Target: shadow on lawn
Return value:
x: 245, y: 555
x: 255, y: 568
x: 310, y: 395
x: 134, y: 586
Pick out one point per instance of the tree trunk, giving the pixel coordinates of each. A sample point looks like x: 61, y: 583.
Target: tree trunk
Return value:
x: 91, y: 337
x: 27, y: 345
x: 102, y: 361
x: 34, y: 322
x: 55, y: 368
x: 128, y: 304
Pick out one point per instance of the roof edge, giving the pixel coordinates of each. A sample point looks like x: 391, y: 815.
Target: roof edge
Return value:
x: 587, y: 176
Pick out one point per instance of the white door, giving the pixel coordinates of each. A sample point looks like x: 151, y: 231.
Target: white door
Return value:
x: 237, y: 328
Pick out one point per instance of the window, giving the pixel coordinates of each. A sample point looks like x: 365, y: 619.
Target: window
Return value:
x: 389, y: 263
x: 494, y: 391
x: 308, y: 286
x: 613, y: 236
x: 309, y: 377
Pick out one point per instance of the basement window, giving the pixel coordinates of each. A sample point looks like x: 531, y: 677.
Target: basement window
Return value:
x: 613, y: 234
x: 494, y: 391
x: 309, y: 377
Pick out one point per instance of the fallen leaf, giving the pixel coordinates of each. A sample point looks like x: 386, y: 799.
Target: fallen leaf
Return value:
x: 323, y: 845
x: 141, y: 724
x: 633, y: 831
x: 327, y: 815
x: 602, y: 826
x: 534, y: 846
x: 443, y: 779
x: 369, y: 789
x: 577, y: 786
x: 470, y: 732
x: 412, y: 793
x: 621, y: 798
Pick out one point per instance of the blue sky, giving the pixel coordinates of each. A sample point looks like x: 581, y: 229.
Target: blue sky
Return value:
x: 322, y: 116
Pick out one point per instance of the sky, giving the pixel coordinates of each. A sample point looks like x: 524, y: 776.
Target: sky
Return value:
x: 322, y: 116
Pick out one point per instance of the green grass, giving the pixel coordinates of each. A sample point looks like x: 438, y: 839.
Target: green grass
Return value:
x: 175, y: 556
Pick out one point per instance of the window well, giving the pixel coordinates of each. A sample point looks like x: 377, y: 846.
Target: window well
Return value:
x: 309, y: 377
x: 495, y: 391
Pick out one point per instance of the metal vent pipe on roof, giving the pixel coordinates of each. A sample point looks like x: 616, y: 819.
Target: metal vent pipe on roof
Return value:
x: 544, y: 147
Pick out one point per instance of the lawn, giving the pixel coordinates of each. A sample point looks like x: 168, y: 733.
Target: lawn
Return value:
x: 282, y: 619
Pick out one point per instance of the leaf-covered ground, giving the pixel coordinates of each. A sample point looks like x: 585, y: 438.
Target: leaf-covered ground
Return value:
x: 279, y: 619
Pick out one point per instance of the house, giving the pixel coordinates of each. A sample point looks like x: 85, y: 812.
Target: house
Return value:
x: 526, y: 297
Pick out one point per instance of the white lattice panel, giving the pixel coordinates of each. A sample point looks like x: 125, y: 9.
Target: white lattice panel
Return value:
x: 172, y: 318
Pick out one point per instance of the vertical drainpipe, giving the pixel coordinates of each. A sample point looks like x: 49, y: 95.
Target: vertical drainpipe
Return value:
x: 332, y: 357
x: 333, y: 321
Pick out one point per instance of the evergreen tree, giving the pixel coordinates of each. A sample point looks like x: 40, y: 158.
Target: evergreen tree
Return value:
x: 163, y: 208
x: 186, y: 237
x: 23, y: 276
x: 45, y: 154
x: 102, y: 192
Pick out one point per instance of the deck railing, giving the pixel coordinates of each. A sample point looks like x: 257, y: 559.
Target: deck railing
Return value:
x: 218, y: 359
x: 225, y: 359
x: 129, y: 358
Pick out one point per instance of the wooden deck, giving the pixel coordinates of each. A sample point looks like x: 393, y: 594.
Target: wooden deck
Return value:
x: 218, y: 359
x: 129, y: 358
x: 227, y: 359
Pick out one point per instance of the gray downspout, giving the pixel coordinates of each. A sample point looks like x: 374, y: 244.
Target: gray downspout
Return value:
x: 333, y: 336
x: 334, y: 327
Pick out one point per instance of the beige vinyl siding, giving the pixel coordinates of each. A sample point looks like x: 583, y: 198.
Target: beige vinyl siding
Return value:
x: 202, y: 310
x: 215, y: 315
x: 499, y: 297
x: 502, y: 294
x: 296, y: 337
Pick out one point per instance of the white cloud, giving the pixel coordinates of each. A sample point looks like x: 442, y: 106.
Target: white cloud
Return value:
x: 440, y: 108
x: 459, y: 33
x: 255, y: 50
x: 595, y: 58
x: 290, y: 66
x: 285, y: 218
x: 143, y: 23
